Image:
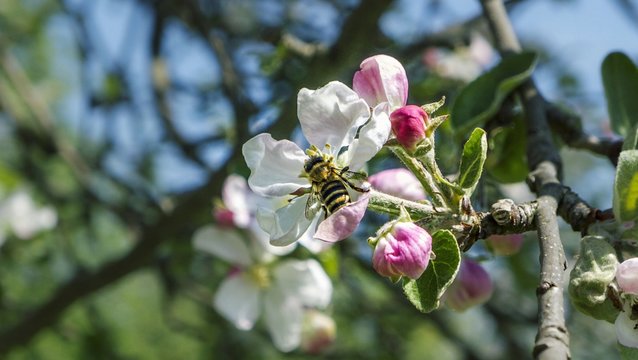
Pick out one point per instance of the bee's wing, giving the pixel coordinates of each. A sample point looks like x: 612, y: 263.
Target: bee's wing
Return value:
x: 313, y: 205
x: 356, y: 180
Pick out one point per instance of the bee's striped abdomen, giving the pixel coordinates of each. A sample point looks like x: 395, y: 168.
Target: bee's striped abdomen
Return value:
x: 334, y: 195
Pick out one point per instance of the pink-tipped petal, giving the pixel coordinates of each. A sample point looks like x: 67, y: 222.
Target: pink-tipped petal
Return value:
x: 381, y: 78
x: 343, y: 222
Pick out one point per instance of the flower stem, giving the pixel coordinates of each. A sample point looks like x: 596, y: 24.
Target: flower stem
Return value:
x: 451, y: 192
x: 423, y: 175
x: 388, y: 204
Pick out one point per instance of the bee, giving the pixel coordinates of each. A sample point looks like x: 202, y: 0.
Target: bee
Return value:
x: 330, y: 183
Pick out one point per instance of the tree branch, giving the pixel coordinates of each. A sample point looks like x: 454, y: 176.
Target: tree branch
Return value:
x: 568, y: 126
x: 552, y: 339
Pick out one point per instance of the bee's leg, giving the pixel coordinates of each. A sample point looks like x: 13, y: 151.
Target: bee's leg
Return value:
x: 298, y: 193
x: 355, y: 187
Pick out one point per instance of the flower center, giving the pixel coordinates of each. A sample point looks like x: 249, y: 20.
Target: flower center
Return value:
x: 260, y: 275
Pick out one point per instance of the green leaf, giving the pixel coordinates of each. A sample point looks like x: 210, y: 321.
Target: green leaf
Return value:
x: 9, y: 180
x: 627, y: 353
x: 620, y: 79
x: 425, y: 293
x: 507, y: 162
x: 472, y: 160
x: 594, y: 270
x: 482, y: 98
x: 626, y: 186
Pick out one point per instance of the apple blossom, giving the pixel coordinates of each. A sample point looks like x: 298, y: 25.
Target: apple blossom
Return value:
x: 398, y: 182
x: 472, y: 286
x: 281, y: 290
x: 627, y: 276
x: 330, y: 117
x: 401, y: 248
x: 238, y: 208
x: 463, y: 63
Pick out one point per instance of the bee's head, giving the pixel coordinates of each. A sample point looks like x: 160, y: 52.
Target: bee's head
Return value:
x: 311, y: 162
x: 317, y: 164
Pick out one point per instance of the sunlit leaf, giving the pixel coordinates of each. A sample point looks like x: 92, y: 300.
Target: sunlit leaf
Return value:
x: 626, y: 186
x: 472, y: 160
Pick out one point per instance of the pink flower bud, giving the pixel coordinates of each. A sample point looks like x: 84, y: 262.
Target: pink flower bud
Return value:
x: 627, y: 276
x: 381, y: 78
x: 398, y: 182
x: 224, y: 217
x: 403, y: 251
x: 408, y: 125
x: 505, y: 244
x: 318, y: 332
x: 472, y: 286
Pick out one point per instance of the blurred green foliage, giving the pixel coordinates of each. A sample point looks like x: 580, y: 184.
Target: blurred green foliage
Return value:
x: 84, y: 129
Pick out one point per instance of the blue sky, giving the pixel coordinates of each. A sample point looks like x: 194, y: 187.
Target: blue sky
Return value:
x: 580, y: 33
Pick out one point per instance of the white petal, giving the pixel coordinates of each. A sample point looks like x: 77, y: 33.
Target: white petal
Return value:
x: 263, y: 250
x: 372, y: 137
x: 626, y: 331
x: 306, y: 280
x: 308, y: 241
x: 235, y: 197
x: 25, y: 218
x: 315, y: 246
x: 284, y: 317
x: 274, y: 165
x: 225, y: 244
x: 331, y: 114
x: 237, y: 299
x: 287, y: 224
